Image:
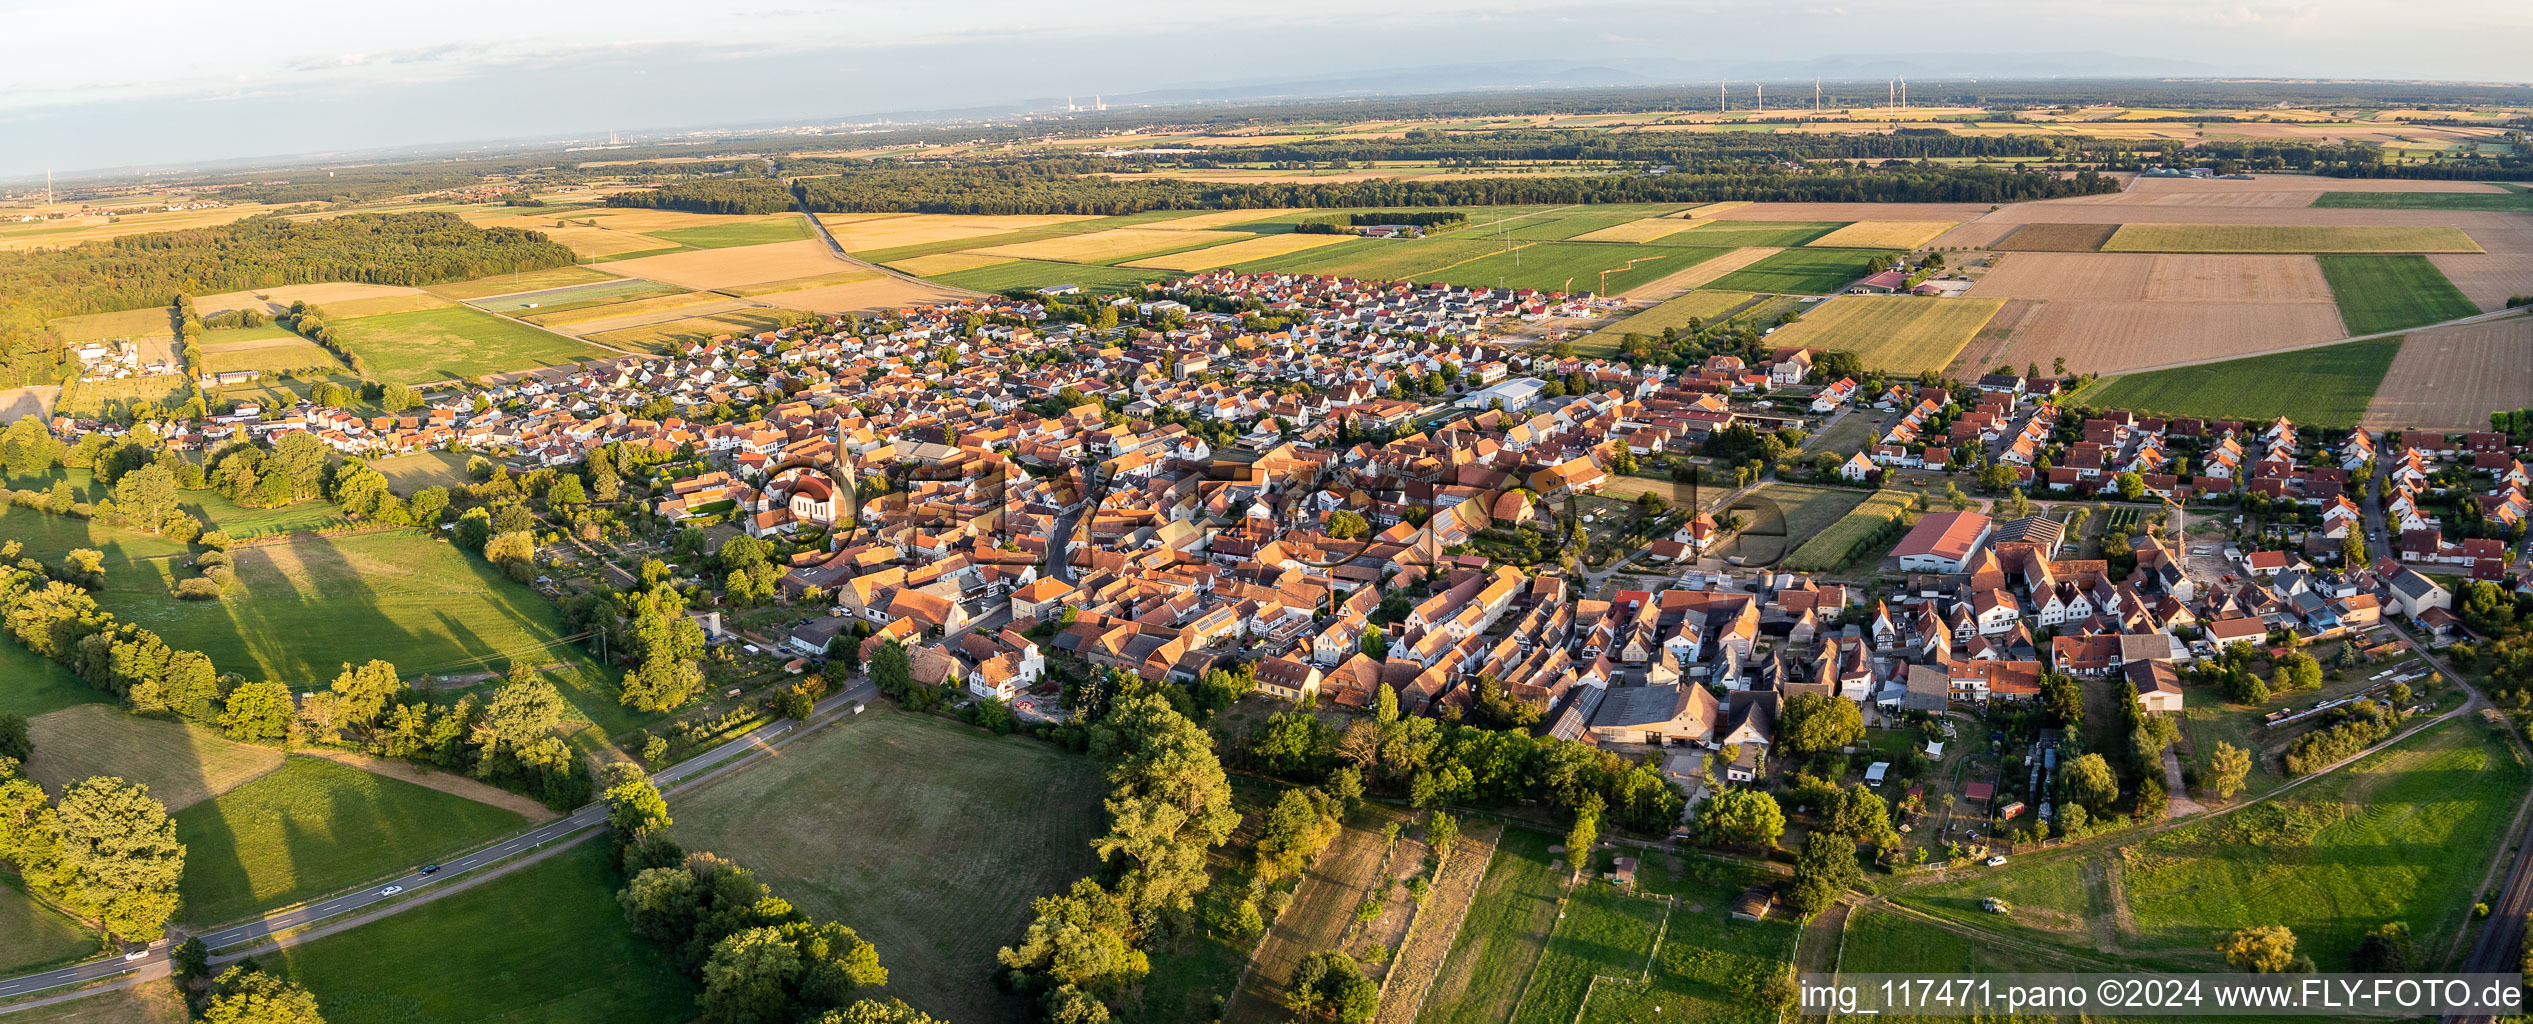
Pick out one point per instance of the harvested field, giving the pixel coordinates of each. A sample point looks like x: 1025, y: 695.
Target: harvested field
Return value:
x: 1711, y: 209
x: 2113, y: 336
x: 1228, y: 253
x: 2056, y: 238
x: 2453, y: 377
x: 506, y: 284
x: 802, y: 284
x: 591, y: 243
x: 1884, y: 234
x: 1994, y: 339
x: 2057, y: 275
x: 278, y: 300
x: 2488, y: 280
x: 182, y: 764
x: 2329, y: 386
x: 862, y: 296
x: 1701, y: 274
x: 1740, y: 233
x: 555, y: 300
x: 1221, y: 219
x: 574, y: 312
x: 725, y: 268
x: 270, y: 355
x: 2256, y: 238
x: 1111, y: 246
x: 347, y: 309
x: 1848, y: 213
x: 1899, y: 334
x: 946, y: 263
x: 2236, y: 279
x: 622, y: 315
x: 2301, y: 183
x: 91, y: 228
x: 925, y: 228
x: 2514, y: 239
x: 1977, y: 234
x: 146, y: 322
x: 663, y: 337
x: 1645, y: 230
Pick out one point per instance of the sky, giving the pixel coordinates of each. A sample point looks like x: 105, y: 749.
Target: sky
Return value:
x: 116, y: 83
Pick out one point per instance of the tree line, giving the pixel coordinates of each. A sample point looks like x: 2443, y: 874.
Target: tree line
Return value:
x: 744, y: 196
x: 269, y: 251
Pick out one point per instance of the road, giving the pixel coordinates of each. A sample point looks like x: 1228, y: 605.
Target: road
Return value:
x: 726, y: 757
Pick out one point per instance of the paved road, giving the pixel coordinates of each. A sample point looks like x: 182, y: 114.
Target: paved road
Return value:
x: 725, y: 757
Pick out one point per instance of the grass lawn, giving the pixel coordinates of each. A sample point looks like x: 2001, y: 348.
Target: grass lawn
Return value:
x: 439, y: 344
x: 1501, y: 938
x: 1881, y: 941
x: 2328, y: 386
x: 312, y: 827
x: 783, y: 227
x: 1899, y: 334
x: 2050, y: 900
x: 1707, y: 966
x: 31, y: 686
x: 1042, y: 274
x: 548, y: 943
x: 32, y: 935
x: 414, y: 471
x: 2388, y: 293
x: 928, y: 837
x: 2405, y: 834
x: 1602, y: 931
x: 1801, y: 271
x: 2512, y: 202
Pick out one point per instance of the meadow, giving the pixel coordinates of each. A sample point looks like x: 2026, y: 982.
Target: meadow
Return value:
x: 1242, y: 251
x: 578, y: 296
x: 1705, y: 304
x: 1705, y: 966
x: 33, y: 936
x: 928, y: 837
x: 1833, y: 547
x: 150, y: 1002
x: 2286, y: 238
x: 2390, y: 293
x: 1897, y: 334
x: 181, y: 763
x: 1801, y: 272
x: 1779, y: 516
x: 441, y: 344
x: 546, y: 943
x: 146, y: 322
x: 1571, y: 267
x: 2403, y: 835
x: 30, y: 685
x: 312, y: 827
x: 1502, y: 935
x: 784, y: 227
x: 1603, y: 931
x: 2329, y: 386
x: 271, y: 355
x: 505, y: 284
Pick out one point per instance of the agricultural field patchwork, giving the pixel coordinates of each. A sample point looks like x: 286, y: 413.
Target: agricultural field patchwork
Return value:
x: 1007, y: 274
x: 2327, y: 386
x: 1736, y: 233
x: 706, y: 269
x: 508, y: 284
x: 1117, y: 245
x: 785, y: 227
x: 1228, y: 253
x: 2286, y: 238
x: 2389, y: 293
x: 928, y: 837
x: 1898, y: 334
x: 440, y: 344
x: 553, y: 300
x: 2056, y: 238
x: 2492, y: 202
x: 1884, y: 234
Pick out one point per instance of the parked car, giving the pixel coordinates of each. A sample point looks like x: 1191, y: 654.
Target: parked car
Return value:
x: 1997, y: 861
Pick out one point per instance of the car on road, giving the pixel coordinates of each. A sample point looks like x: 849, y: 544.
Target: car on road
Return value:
x: 430, y: 869
x: 391, y: 890
x: 1997, y: 861
x: 142, y: 953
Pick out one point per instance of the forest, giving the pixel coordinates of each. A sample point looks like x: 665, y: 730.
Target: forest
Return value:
x: 266, y: 252
x: 743, y: 196
x: 1059, y: 186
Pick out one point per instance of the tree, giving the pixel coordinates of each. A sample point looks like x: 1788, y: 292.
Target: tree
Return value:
x: 1440, y: 831
x: 634, y: 804
x: 1345, y: 524
x: 2353, y: 549
x: 1743, y: 817
x: 2270, y: 950
x: 147, y: 497
x: 191, y: 959
x: 2063, y: 699
x: 877, y: 1011
x: 2385, y: 950
x: 2088, y: 780
x: 2132, y: 486
x: 514, y: 552
x: 1330, y: 985
x: 891, y: 669
x: 1813, y: 723
x: 246, y: 995
x: 1824, y: 869
x: 16, y: 743
x: 1585, y: 832
x: 120, y: 849
x: 2228, y: 765
x: 1294, y: 831
x: 362, y: 694
x: 258, y: 713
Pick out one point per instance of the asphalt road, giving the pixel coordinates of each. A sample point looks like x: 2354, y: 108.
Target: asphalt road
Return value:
x: 591, y: 816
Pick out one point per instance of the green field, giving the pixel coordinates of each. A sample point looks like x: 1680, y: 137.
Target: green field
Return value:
x: 1780, y: 516
x: 1507, y: 924
x: 1042, y: 274
x: 1602, y: 931
x: 2286, y: 238
x: 1801, y: 272
x: 666, y: 337
x: 2050, y: 901
x: 32, y: 935
x: 2405, y: 835
x: 598, y: 293
x: 31, y: 686
x: 272, y: 355
x: 785, y: 227
x: 894, y: 253
x: 1832, y: 547
x: 1708, y: 967
x: 504, y: 284
x: 2328, y: 386
x: 1572, y: 266
x: 927, y: 837
x: 1702, y: 304
x: 312, y: 827
x: 440, y: 344
x: 217, y: 512
x: 1738, y: 233
x: 2512, y: 202
x: 545, y: 944
x: 2389, y: 293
